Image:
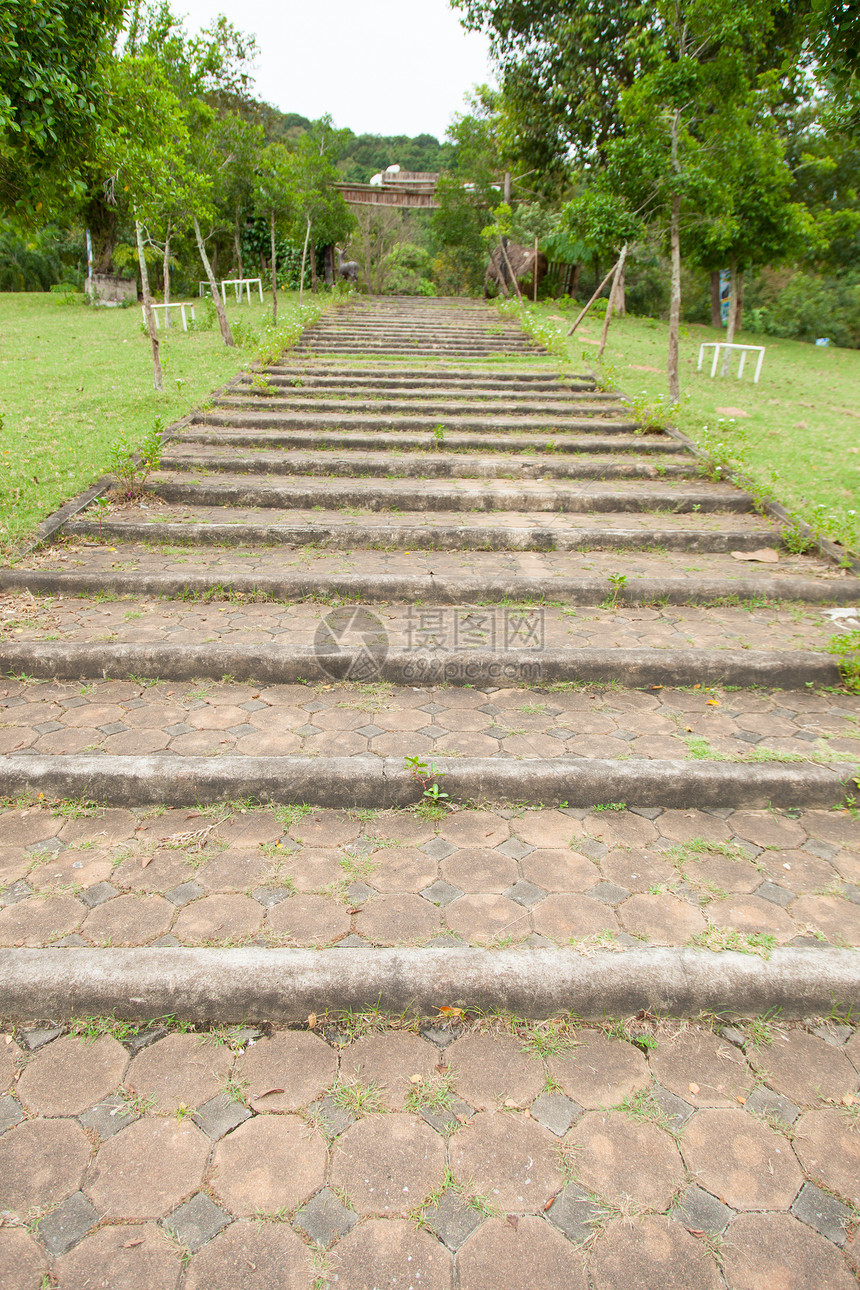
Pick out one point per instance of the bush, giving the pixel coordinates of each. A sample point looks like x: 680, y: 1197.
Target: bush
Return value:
x: 805, y: 307
x: 408, y: 272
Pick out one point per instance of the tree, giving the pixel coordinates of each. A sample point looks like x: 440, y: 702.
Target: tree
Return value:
x: 53, y: 55
x: 321, y: 214
x: 276, y: 198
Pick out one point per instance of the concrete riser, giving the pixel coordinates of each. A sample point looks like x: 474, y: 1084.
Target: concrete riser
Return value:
x: 361, y: 782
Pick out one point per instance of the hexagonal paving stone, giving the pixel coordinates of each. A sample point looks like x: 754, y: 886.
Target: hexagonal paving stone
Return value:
x: 68, y: 1224
x: 569, y: 916
x: 696, y: 1056
x: 22, y: 1263
x: 452, y: 1218
x: 828, y: 1147
x: 251, y: 1256
x: 479, y: 869
x: 270, y: 1163
x: 767, y: 829
x: 599, y: 1071
x: 486, y: 918
x: 218, y: 918
x: 392, y: 1254
x: 148, y: 1168
x: 560, y: 870
x: 805, y: 1068
x: 621, y: 1157
x: 387, y: 1164
x: 510, y: 1255
x: 71, y: 1074
x: 777, y: 1250
x: 740, y: 1160
x: 135, y: 1257
x: 295, y: 1061
x: 181, y: 1070
x: 38, y: 921
x: 390, y: 1061
x: 835, y: 918
x: 398, y: 918
x: 548, y: 829
x: 41, y: 1162
x: 823, y: 1212
x: 508, y: 1158
x: 474, y: 829
x: 664, y: 919
x: 751, y: 914
x: 325, y: 829
x: 129, y: 920
x: 488, y: 1070
x: 403, y: 869
x: 197, y: 1221
x: 309, y: 920
x: 652, y: 1253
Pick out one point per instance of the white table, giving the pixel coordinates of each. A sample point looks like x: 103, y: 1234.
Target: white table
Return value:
x: 181, y: 305
x: 719, y: 345
x: 239, y: 286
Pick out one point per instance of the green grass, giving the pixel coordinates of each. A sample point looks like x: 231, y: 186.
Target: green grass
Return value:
x: 799, y: 439
x: 73, y: 379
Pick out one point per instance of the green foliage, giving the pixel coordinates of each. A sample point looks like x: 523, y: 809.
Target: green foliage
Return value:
x: 846, y: 647
x: 807, y: 306
x: 409, y: 271
x: 132, y: 464
x: 52, y: 56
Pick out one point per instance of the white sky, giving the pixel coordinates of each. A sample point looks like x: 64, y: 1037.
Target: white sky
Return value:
x: 378, y: 66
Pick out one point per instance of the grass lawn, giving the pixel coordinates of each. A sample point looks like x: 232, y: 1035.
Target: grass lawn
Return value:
x: 795, y: 435
x: 74, y: 378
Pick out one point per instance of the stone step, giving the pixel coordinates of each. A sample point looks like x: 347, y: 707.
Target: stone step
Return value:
x: 545, y: 669
x: 319, y: 373
x: 430, y: 465
x: 551, y: 423
x: 384, y: 782
x: 346, y: 404
x: 316, y: 387
x: 493, y: 579
x: 380, y: 440
x: 560, y: 496
x: 659, y: 633
x: 333, y: 534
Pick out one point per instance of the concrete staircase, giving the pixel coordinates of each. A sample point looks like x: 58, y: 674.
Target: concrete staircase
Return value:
x: 420, y: 471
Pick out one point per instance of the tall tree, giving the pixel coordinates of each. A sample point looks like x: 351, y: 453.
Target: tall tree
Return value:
x: 276, y: 198
x: 53, y: 55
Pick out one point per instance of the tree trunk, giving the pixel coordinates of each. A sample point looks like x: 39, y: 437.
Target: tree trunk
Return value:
x: 226, y: 334
x: 716, y: 312
x: 621, y: 293
x: 675, y: 303
x: 574, y: 280
x: 579, y: 317
x: 147, y: 309
x: 508, y: 187
x: 237, y: 244
x: 314, y: 279
x: 165, y: 273
x: 536, y: 271
x: 739, y: 301
x: 304, y: 257
x: 274, y: 268
x: 619, y: 270
x: 730, y: 329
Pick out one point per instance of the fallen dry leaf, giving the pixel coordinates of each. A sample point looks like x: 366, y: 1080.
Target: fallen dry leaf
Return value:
x: 129, y: 1245
x: 765, y: 555
x: 144, y: 861
x: 270, y: 1092
x: 312, y: 1020
x: 694, y: 1089
x: 450, y: 1012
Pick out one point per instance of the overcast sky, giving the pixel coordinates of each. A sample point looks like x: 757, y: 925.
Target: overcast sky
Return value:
x: 378, y: 66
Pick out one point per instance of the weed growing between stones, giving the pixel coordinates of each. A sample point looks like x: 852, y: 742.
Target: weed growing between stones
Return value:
x: 846, y: 648
x: 132, y: 466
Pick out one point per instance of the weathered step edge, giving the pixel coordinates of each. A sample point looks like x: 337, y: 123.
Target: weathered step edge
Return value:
x: 286, y: 986
x: 291, y: 664
x: 366, y: 781
x: 430, y: 589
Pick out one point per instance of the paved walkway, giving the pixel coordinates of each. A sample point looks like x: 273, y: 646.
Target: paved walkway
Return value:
x: 412, y: 539
x: 484, y: 1156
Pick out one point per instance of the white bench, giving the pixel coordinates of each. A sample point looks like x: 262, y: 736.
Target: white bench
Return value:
x: 239, y: 286
x: 181, y: 305
x: 719, y: 345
